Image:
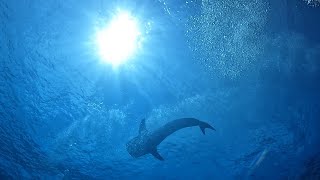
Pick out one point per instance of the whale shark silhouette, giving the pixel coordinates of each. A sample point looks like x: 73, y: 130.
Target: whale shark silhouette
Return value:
x: 147, y: 142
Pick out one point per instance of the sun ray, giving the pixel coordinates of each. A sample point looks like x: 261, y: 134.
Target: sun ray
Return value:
x: 118, y: 41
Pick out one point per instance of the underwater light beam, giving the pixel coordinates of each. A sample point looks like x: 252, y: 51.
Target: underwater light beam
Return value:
x: 119, y: 39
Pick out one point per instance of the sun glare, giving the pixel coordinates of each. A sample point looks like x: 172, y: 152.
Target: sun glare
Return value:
x: 119, y: 39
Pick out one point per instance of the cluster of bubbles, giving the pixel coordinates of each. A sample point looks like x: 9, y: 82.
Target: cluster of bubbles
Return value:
x: 314, y: 3
x: 226, y: 36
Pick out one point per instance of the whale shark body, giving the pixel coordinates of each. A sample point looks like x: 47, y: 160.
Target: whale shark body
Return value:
x: 146, y: 142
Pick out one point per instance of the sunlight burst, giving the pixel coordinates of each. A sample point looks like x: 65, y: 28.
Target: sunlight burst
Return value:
x: 119, y: 39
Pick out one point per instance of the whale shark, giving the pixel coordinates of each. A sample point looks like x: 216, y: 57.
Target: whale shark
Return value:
x: 146, y: 142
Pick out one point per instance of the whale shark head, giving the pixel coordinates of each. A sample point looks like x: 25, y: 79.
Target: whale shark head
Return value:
x: 136, y: 147
x: 141, y: 144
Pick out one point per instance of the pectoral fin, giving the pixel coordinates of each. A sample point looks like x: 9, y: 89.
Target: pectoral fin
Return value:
x: 156, y: 155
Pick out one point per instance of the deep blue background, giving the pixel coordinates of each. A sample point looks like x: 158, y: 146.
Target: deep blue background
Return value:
x: 250, y: 68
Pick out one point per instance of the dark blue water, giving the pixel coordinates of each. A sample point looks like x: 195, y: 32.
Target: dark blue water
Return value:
x: 251, y: 68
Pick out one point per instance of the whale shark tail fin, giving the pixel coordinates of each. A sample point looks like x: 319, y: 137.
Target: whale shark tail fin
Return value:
x: 204, y: 125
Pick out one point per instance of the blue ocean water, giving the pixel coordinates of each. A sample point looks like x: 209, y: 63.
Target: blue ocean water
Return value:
x: 250, y: 68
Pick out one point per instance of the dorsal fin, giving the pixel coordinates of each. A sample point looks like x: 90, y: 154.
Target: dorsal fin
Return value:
x: 142, y: 127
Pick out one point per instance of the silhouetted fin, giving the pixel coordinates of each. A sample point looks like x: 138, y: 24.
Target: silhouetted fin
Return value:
x: 142, y: 127
x: 156, y: 154
x: 204, y: 125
